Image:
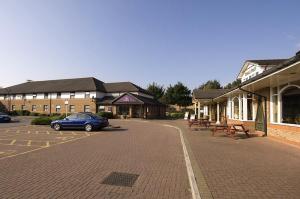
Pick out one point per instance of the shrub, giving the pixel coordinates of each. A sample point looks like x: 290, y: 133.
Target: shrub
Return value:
x: 34, y: 114
x: 177, y: 115
x: 108, y: 115
x: 41, y: 121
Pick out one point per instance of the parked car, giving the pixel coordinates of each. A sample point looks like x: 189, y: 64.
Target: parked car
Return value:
x: 4, y: 117
x: 87, y: 121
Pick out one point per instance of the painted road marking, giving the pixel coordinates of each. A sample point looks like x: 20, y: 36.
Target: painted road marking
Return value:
x: 191, y: 175
x: 28, y: 132
x: 25, y: 152
x: 48, y: 132
x: 12, y: 142
x: 47, y: 144
x: 29, y: 143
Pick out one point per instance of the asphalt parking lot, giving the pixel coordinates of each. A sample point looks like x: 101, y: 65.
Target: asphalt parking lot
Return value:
x: 16, y: 140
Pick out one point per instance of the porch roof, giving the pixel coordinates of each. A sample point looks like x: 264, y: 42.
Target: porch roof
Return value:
x: 208, y: 94
x: 128, y: 98
x: 285, y: 72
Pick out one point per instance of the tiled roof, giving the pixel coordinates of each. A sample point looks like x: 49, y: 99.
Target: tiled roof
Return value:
x: 61, y: 85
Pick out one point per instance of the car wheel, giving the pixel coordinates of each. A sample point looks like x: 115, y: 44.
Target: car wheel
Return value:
x: 56, y: 127
x: 88, y: 127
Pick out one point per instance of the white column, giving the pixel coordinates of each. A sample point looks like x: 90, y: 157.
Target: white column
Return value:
x: 279, y: 112
x: 245, y: 107
x: 240, y: 108
x: 271, y: 105
x: 198, y: 110
x: 218, y: 113
x: 228, y: 108
x: 195, y: 106
x: 209, y: 112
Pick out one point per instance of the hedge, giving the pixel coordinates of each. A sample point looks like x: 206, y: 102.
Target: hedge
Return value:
x: 47, y: 120
x: 108, y: 115
x: 177, y: 115
x: 41, y: 121
x: 20, y: 113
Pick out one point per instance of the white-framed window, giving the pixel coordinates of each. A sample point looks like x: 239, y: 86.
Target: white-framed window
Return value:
x: 86, y: 108
x: 72, y: 108
x: 285, y: 104
x: 34, y: 96
x: 46, y: 95
x: 249, y: 107
x: 235, y: 108
x: 13, y: 107
x: 57, y: 108
x: 87, y: 95
x: 46, y: 108
x: 23, y: 107
x: 101, y: 108
x: 33, y: 108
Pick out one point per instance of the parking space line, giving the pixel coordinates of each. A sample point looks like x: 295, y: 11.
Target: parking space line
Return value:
x: 28, y: 132
x: 48, y: 132
x: 29, y: 143
x: 47, y: 144
x: 40, y: 148
x: 12, y: 142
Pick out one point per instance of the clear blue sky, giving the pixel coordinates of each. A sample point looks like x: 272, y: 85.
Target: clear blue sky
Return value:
x: 142, y: 40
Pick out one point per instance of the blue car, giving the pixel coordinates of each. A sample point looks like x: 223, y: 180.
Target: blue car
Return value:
x: 87, y: 121
x: 4, y: 117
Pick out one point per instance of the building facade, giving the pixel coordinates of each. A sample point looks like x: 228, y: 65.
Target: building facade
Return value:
x: 267, y: 100
x: 81, y: 95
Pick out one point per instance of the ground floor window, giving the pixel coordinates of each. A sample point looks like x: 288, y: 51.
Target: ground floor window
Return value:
x: 58, y: 109
x: 123, y: 110
x: 86, y: 108
x: 290, y: 98
x: 249, y: 107
x: 72, y: 108
x: 33, y: 108
x: 236, y: 109
x: 46, y: 108
x: 23, y: 107
x: 13, y: 107
x: 101, y: 108
x: 109, y: 109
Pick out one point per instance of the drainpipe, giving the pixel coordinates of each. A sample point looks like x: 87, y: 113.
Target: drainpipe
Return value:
x: 265, y: 104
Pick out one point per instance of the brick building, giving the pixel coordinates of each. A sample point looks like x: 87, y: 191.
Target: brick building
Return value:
x: 81, y: 95
x: 267, y: 100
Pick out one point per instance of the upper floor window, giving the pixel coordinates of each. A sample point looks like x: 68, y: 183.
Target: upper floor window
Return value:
x: 23, y: 96
x: 87, y: 95
x: 72, y: 95
x: 34, y: 96
x: 58, y: 95
x: 46, y: 95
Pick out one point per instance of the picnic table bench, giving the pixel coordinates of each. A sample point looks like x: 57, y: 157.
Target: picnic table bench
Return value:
x: 230, y: 129
x: 239, y: 128
x: 200, y: 122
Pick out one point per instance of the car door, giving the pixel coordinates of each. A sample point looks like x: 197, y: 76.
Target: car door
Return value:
x: 82, y: 120
x: 70, y: 121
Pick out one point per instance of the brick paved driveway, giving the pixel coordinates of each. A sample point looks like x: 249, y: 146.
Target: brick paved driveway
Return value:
x: 76, y: 169
x: 245, y: 168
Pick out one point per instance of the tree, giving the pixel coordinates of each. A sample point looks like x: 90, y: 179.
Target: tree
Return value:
x: 156, y: 90
x: 233, y: 84
x: 178, y: 94
x: 211, y: 84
